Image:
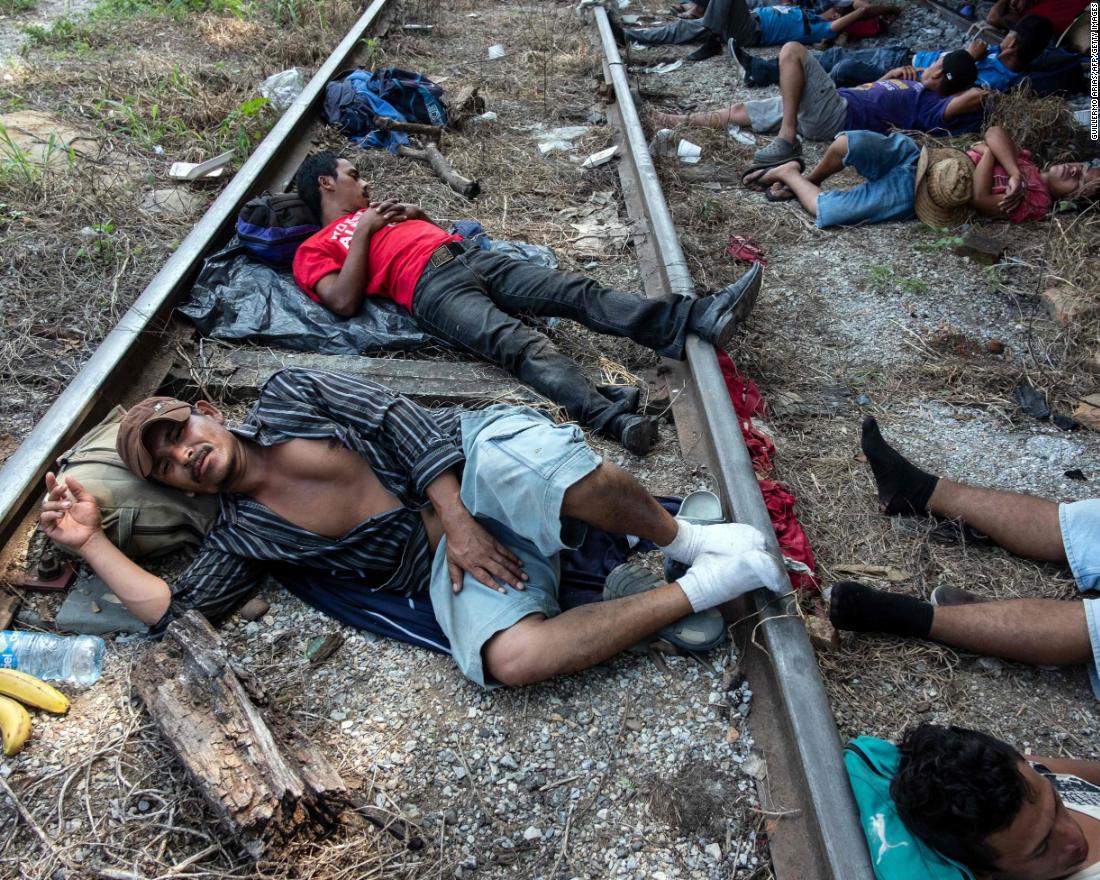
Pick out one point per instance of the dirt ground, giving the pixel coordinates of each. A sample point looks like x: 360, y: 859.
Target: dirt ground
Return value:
x: 623, y: 771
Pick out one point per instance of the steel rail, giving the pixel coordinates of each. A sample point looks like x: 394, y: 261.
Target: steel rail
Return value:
x: 984, y: 29
x: 802, y: 694
x: 119, y: 353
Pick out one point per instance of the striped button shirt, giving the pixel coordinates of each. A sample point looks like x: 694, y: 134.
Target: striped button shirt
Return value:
x: 406, y: 445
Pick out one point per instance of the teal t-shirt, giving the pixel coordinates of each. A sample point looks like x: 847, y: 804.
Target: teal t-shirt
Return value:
x: 786, y: 24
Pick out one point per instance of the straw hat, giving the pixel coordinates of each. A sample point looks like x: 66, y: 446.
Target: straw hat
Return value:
x: 945, y: 181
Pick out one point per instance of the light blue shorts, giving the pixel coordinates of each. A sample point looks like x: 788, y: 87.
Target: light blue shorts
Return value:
x: 889, y: 164
x: 1080, y: 522
x: 519, y: 465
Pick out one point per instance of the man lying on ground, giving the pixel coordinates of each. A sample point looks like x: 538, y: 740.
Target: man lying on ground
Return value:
x: 472, y: 298
x: 753, y: 24
x: 341, y: 475
x: 980, y: 802
x: 999, y: 67
x: 810, y: 104
x: 1060, y: 13
x: 1038, y: 631
x: 939, y: 186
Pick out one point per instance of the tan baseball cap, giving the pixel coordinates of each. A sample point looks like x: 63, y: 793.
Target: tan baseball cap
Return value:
x: 130, y: 444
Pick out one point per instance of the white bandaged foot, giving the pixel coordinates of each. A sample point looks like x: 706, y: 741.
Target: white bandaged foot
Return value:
x: 724, y: 539
x: 716, y: 578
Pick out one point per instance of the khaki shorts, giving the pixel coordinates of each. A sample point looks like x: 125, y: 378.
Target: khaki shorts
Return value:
x: 822, y: 113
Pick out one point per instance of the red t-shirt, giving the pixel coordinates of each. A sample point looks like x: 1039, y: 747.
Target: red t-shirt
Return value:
x: 398, y: 254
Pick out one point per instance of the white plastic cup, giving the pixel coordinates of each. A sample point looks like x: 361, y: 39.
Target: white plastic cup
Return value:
x: 689, y: 152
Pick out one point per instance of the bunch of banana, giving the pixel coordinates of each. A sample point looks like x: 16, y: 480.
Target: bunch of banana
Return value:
x: 15, y: 722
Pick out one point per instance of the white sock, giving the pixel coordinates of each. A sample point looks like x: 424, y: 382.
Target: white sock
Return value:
x: 685, y: 546
x: 714, y: 578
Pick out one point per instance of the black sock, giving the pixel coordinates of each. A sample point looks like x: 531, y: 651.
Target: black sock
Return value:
x: 902, y: 486
x: 861, y: 608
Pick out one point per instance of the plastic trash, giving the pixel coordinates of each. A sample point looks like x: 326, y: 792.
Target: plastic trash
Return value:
x: 195, y: 170
x: 69, y: 659
x: 497, y: 50
x: 742, y: 137
x: 282, y: 88
x: 601, y: 158
x: 688, y: 152
x: 662, y: 143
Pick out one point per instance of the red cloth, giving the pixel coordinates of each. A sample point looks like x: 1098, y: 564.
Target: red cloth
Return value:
x: 1060, y: 12
x: 745, y: 250
x: 398, y: 254
x: 748, y: 402
x: 868, y: 27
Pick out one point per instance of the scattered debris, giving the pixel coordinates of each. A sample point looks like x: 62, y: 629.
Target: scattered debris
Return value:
x: 598, y: 224
x: 688, y: 152
x: 320, y: 648
x: 91, y: 608
x: 1032, y: 402
x: 601, y: 158
x: 1088, y: 415
x: 822, y: 635
x: 745, y: 250
x: 740, y: 135
x: 668, y: 67
x: 283, y: 88
x: 196, y: 170
x: 496, y: 51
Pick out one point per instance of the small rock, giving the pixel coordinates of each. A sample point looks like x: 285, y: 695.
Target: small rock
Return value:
x: 450, y: 817
x: 633, y: 724
x: 508, y: 762
x: 532, y: 833
x: 255, y: 608
x: 714, y: 851
x: 995, y: 346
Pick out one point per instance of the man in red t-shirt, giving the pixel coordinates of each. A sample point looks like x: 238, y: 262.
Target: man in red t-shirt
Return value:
x: 1061, y: 13
x: 471, y: 298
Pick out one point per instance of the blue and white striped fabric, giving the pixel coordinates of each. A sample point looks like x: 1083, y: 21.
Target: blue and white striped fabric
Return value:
x: 405, y: 444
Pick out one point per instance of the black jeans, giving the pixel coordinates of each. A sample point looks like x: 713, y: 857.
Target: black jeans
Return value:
x: 472, y: 303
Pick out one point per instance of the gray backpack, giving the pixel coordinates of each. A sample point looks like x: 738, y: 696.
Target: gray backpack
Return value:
x: 139, y: 517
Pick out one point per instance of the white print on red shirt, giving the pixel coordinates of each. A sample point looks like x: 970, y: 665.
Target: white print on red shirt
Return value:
x: 345, y: 229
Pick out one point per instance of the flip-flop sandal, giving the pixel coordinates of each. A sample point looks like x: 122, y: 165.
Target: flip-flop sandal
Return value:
x: 700, y: 631
x: 764, y: 166
x: 754, y: 184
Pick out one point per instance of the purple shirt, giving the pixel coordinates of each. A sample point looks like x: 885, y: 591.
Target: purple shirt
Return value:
x: 909, y: 106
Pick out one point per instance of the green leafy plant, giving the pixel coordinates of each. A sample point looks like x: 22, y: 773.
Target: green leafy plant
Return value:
x: 943, y: 243
x: 242, y: 128
x: 10, y: 7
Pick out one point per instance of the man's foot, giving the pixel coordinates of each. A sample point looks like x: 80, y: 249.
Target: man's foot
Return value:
x: 637, y: 434
x: 778, y: 152
x: 760, y: 179
x: 699, y: 631
x: 903, y: 488
x: 944, y: 596
x: 712, y: 47
x: 743, y: 58
x: 717, y: 316
x: 858, y: 608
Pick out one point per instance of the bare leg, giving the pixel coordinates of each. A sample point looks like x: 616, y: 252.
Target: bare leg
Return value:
x: 792, y: 80
x: 735, y: 114
x: 832, y: 161
x: 790, y: 176
x: 1046, y: 632
x: 538, y: 648
x: 1022, y: 524
x: 611, y: 499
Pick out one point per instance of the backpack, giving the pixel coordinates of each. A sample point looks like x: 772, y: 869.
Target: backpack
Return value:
x: 895, y: 853
x: 139, y: 517
x: 271, y: 227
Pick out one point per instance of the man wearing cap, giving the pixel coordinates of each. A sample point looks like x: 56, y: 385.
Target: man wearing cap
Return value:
x: 810, y: 104
x: 941, y: 186
x: 464, y: 512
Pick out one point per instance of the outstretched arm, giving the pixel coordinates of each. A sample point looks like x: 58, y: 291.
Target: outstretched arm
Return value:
x: 842, y: 24
x: 70, y: 517
x: 966, y: 102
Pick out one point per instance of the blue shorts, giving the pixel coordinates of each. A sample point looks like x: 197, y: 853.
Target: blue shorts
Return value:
x: 889, y: 164
x: 1080, y: 522
x: 519, y: 465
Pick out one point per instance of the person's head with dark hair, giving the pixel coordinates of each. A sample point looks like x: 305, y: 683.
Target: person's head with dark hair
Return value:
x: 951, y: 73
x: 330, y: 185
x: 1025, y: 42
x: 976, y: 800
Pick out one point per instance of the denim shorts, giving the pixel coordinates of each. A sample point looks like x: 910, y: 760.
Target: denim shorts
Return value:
x: 889, y: 164
x: 519, y: 465
x: 1080, y: 522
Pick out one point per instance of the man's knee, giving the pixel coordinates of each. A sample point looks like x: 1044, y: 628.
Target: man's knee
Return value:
x: 793, y: 52
x: 514, y: 657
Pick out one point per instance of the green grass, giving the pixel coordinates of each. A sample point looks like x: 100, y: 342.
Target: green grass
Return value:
x: 10, y: 7
x: 178, y: 8
x: 883, y: 279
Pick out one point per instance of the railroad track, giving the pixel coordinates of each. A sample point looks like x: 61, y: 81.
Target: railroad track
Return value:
x: 819, y: 836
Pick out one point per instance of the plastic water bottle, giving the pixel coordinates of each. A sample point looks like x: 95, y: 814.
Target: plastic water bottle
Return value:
x: 70, y: 659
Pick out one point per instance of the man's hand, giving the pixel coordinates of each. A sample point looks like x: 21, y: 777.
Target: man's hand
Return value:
x: 380, y: 215
x: 1012, y: 196
x: 470, y: 548
x: 907, y: 71
x: 70, y: 515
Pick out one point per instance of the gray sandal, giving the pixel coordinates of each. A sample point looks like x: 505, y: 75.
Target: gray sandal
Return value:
x: 700, y: 631
x: 778, y: 152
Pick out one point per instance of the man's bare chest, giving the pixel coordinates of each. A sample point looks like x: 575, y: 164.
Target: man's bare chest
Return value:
x: 323, y: 487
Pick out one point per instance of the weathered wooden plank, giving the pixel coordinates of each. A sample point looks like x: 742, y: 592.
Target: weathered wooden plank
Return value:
x: 237, y: 375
